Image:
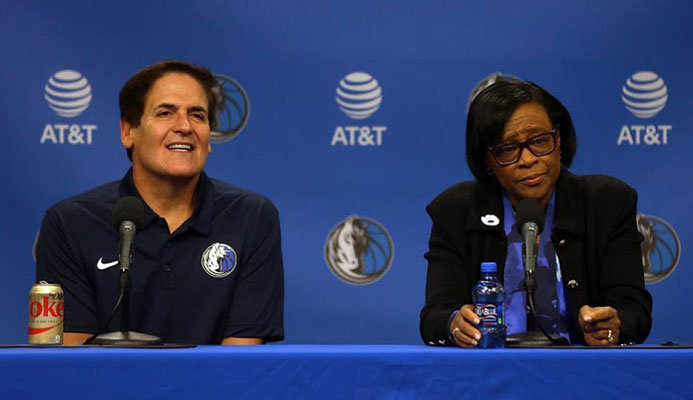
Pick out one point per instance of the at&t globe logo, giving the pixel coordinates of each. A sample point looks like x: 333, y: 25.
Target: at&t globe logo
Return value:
x: 644, y: 94
x: 69, y: 94
x: 359, y: 96
x: 359, y: 250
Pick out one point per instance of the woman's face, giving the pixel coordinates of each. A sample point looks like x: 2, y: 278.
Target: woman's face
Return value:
x: 531, y: 177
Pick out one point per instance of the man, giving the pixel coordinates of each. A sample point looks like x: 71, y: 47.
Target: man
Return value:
x: 207, y: 263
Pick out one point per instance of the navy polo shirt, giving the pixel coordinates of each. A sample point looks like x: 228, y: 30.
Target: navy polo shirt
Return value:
x: 219, y: 274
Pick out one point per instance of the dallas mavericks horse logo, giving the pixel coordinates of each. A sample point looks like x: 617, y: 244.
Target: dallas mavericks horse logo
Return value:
x: 219, y: 260
x: 661, y: 249
x: 234, y: 108
x: 359, y: 250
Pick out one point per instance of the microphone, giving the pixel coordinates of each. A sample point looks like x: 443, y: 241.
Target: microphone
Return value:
x: 128, y: 214
x: 530, y: 218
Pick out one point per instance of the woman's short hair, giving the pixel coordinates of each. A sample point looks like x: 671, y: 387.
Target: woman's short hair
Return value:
x: 492, y: 108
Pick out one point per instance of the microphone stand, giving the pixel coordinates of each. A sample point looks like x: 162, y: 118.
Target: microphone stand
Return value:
x: 125, y: 337
x: 532, y: 338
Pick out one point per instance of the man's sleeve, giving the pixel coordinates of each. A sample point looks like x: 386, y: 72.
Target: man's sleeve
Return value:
x: 56, y: 263
x: 257, y: 309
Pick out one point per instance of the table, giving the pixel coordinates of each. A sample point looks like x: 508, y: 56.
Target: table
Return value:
x: 344, y: 372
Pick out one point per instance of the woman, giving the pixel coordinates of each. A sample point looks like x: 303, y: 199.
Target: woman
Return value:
x: 590, y: 286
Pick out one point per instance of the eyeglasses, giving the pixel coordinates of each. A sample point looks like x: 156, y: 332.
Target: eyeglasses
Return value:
x: 539, y: 145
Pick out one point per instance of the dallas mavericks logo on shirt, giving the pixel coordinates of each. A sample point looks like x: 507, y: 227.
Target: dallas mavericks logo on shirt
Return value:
x: 359, y: 250
x: 661, y: 249
x: 219, y: 260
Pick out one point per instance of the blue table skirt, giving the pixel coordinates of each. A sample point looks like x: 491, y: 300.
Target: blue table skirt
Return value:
x: 344, y: 372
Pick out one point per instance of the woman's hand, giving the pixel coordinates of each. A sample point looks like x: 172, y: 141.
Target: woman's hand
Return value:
x: 600, y: 325
x: 463, y: 327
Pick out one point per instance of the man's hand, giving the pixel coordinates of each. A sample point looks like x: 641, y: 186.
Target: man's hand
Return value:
x: 600, y: 325
x: 74, y: 338
x: 463, y: 327
x: 241, y: 340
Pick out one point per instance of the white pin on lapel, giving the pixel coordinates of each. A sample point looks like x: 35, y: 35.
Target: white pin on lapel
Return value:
x: 490, y: 220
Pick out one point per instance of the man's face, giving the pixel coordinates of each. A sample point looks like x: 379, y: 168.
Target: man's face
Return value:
x: 172, y: 140
x: 531, y: 177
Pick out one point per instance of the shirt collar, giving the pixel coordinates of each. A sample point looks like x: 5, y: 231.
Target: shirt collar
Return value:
x: 509, y: 212
x: 568, y: 202
x: 201, y: 220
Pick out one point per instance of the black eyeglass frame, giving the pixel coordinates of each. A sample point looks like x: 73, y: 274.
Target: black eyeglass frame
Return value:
x: 524, y: 145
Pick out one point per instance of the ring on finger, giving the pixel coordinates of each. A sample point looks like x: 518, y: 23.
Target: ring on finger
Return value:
x: 610, y: 337
x: 455, y: 330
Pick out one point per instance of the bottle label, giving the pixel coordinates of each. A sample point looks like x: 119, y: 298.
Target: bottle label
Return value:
x: 490, y: 314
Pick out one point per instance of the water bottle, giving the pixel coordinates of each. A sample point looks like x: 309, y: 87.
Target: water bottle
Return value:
x: 487, y: 297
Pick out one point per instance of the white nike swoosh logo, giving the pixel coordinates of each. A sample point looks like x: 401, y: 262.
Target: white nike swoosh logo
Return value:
x: 102, y: 265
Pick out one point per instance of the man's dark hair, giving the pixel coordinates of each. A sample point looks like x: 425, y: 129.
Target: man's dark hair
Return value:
x: 135, y: 90
x: 490, y: 111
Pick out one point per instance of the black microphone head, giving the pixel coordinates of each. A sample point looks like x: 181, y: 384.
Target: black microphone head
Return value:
x: 529, y: 210
x: 128, y: 208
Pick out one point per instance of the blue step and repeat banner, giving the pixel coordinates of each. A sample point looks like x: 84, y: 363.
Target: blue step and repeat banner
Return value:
x: 350, y: 116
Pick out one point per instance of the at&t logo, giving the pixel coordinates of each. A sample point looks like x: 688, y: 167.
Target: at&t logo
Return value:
x: 644, y: 94
x: 359, y: 250
x: 359, y: 96
x: 69, y: 94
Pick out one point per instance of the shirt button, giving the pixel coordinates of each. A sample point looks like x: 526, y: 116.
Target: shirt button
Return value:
x: 167, y: 268
x: 572, y: 284
x: 561, y: 243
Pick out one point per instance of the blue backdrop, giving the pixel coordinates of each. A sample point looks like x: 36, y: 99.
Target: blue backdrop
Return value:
x: 296, y: 147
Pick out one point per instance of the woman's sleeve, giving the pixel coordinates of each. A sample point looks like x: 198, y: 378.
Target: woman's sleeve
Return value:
x: 622, y: 284
x: 447, y: 281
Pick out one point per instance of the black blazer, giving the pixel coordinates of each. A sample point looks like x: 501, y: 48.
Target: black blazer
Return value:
x: 595, y: 237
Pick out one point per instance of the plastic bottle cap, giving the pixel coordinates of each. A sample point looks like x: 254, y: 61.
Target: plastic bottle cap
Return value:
x: 488, y: 267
